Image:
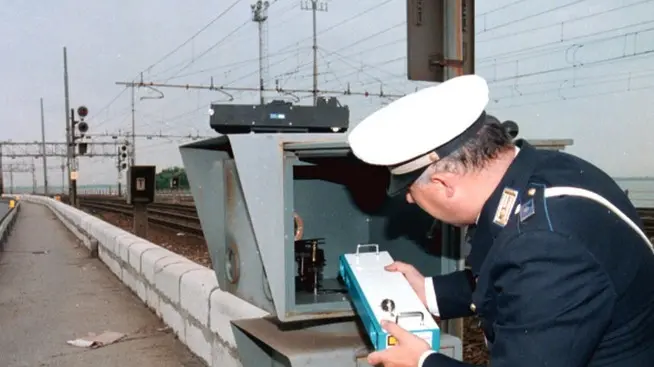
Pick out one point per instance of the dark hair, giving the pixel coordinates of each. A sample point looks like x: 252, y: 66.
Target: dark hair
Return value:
x: 491, y: 140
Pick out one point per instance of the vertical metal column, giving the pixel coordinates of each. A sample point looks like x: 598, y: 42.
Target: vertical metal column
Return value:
x: 141, y: 219
x: 63, y: 176
x: 260, y: 15
x: 133, y: 151
x: 458, y: 41
x: 68, y: 126
x: 11, y: 179
x: 2, y: 174
x: 45, y: 162
x: 33, y: 170
x: 315, y: 6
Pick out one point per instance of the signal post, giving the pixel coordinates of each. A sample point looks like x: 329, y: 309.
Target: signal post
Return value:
x: 140, y: 193
x: 82, y: 147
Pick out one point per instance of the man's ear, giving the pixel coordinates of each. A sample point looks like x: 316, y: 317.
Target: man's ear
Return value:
x: 445, y: 182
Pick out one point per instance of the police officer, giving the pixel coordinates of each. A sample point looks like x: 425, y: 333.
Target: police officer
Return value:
x: 560, y: 272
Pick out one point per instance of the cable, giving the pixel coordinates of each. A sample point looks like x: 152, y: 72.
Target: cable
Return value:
x: 173, y: 51
x: 575, y: 84
x: 364, y: 72
x: 214, y: 20
x: 341, y: 48
x: 560, y: 42
x: 233, y: 64
x: 108, y: 104
x: 583, y: 96
x: 560, y: 46
x: 502, y: 25
x: 561, y: 24
x: 210, y: 48
x: 554, y: 70
x: 501, y: 8
x: 347, y: 20
x: 154, y: 76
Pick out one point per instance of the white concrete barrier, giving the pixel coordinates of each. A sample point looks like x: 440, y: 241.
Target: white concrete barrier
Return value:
x: 184, y: 294
x: 7, y: 223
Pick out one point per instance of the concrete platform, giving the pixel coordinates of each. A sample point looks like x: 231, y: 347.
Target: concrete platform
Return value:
x: 51, y: 292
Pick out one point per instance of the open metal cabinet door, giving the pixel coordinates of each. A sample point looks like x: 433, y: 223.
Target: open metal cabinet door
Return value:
x: 264, y: 342
x: 342, y: 343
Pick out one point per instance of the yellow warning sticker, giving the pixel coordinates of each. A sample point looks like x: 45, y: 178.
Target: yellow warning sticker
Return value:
x: 391, y: 340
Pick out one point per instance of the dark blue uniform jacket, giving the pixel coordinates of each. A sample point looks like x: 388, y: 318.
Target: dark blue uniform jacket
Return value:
x: 563, y: 283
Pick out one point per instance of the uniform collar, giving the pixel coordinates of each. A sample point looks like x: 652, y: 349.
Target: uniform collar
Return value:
x: 514, y: 181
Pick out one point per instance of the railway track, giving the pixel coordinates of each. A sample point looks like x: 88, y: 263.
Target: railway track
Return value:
x: 172, y: 216
x: 183, y: 217
x: 647, y: 216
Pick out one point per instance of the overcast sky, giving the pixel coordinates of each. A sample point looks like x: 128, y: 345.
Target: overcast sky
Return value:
x: 561, y: 69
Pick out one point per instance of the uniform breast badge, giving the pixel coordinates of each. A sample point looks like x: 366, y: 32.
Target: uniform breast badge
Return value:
x: 527, y: 210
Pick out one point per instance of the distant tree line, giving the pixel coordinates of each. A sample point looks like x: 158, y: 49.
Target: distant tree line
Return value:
x: 172, y: 178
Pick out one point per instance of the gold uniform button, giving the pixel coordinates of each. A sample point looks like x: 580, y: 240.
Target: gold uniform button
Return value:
x: 473, y: 308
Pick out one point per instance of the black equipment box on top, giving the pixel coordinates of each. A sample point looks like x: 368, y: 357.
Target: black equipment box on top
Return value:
x: 141, y: 180
x: 280, y: 116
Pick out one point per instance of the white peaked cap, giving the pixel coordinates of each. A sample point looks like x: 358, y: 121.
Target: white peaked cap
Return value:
x: 422, y: 127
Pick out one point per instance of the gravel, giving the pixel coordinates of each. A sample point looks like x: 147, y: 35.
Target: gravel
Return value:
x: 192, y: 247
x: 474, y: 344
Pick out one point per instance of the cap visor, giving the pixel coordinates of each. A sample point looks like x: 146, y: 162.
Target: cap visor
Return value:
x: 399, y: 184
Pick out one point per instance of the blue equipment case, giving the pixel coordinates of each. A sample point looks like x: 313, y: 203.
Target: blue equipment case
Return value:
x: 378, y: 294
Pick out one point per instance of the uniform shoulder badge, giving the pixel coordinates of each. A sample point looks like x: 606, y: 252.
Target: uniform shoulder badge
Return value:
x: 505, y: 207
x: 527, y: 210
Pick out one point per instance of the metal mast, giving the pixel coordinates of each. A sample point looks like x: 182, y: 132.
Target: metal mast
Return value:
x: 260, y: 15
x: 45, y: 162
x: 314, y: 6
x: 69, y: 149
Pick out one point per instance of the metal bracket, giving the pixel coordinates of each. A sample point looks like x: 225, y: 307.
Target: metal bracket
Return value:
x: 440, y: 61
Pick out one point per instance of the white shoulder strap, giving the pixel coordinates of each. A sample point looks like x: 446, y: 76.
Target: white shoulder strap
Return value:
x: 573, y: 191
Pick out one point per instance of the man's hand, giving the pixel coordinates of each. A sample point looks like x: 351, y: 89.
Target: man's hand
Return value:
x: 406, y: 353
x: 412, y: 275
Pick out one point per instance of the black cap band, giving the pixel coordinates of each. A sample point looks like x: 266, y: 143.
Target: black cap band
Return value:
x: 399, y: 183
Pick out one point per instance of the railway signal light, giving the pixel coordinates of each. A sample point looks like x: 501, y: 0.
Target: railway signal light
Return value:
x: 82, y: 111
x: 83, y: 127
x: 122, y: 156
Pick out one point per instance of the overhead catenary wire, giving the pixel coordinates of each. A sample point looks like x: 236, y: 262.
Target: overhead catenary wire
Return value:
x: 505, y: 6
x: 561, y: 44
x: 377, y: 6
x: 563, y: 68
x: 530, y: 16
x: 325, y: 30
x: 561, y: 24
x: 188, y: 60
x: 173, y: 51
x: 377, y: 34
x: 195, y: 35
x: 342, y: 78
